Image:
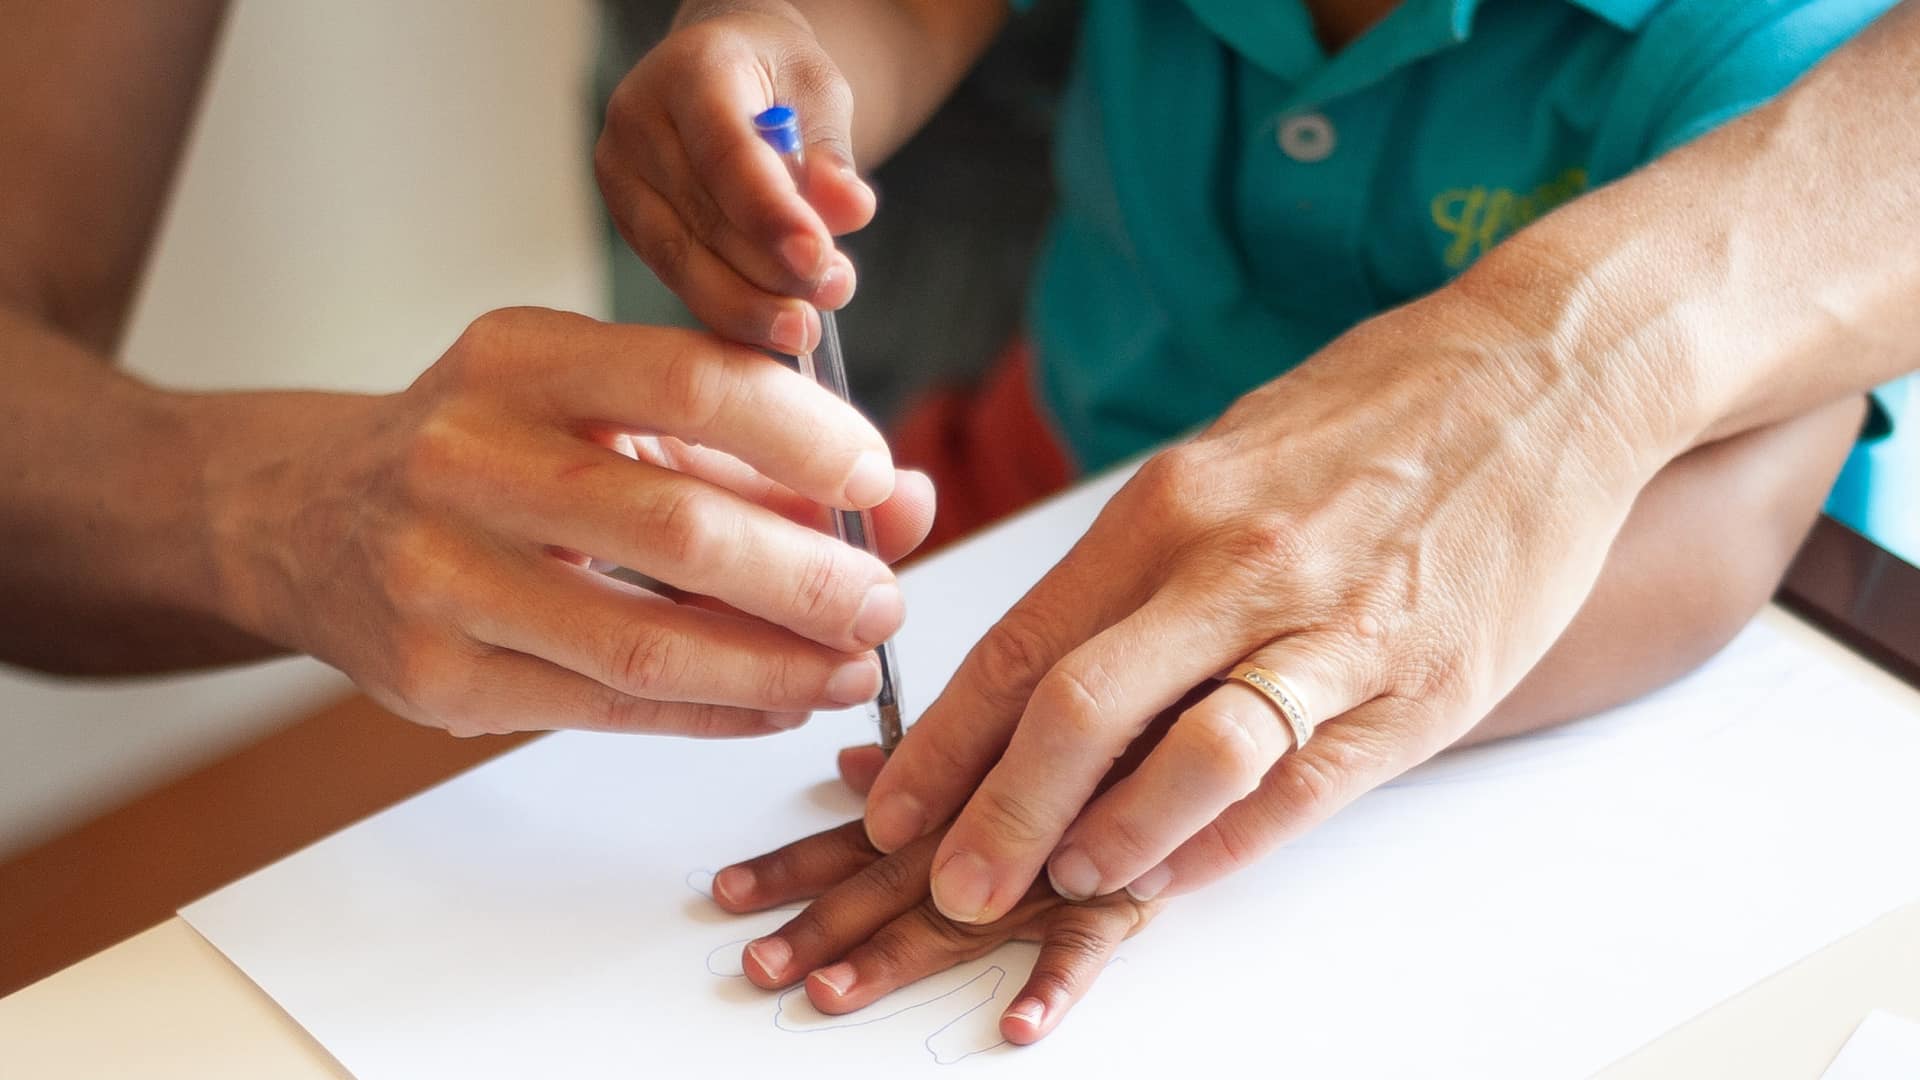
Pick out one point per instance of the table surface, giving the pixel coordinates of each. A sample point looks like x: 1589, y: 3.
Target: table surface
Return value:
x: 165, y: 1003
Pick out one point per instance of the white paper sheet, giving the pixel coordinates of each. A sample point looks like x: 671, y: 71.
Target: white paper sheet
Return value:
x: 1884, y: 1047
x: 1531, y: 909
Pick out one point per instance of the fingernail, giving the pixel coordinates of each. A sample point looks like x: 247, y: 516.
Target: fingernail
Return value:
x: 1028, y: 1011
x: 961, y: 888
x: 1073, y: 874
x: 789, y: 332
x: 838, y: 978
x: 787, y: 721
x: 733, y: 884
x: 1151, y: 884
x: 771, y: 955
x: 896, y: 821
x: 835, y: 288
x: 855, y: 681
x: 871, y: 480
x: 851, y: 175
x: 880, y: 614
x: 803, y: 255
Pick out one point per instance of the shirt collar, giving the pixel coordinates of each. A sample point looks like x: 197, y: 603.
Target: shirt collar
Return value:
x: 1628, y: 15
x: 1625, y: 14
x: 1278, y: 37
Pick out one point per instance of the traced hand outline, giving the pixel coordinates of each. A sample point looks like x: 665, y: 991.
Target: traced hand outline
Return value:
x: 956, y: 1001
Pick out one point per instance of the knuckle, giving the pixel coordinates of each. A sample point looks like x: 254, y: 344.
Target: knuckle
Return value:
x: 611, y: 710
x: 785, y: 681
x: 665, y: 248
x: 893, y: 877
x: 892, y: 948
x: 821, y: 587
x: 699, y: 385
x: 1074, y: 701
x: 1051, y: 982
x: 647, y: 662
x: 418, y: 574
x: 1123, y: 839
x: 493, y: 334
x: 814, y: 78
x: 1009, y: 817
x: 1171, y: 483
x: 939, y: 752
x: 705, y: 721
x: 688, y: 528
x: 1010, y: 660
x: 958, y: 941
x: 1223, y: 749
x: 1266, y: 542
x: 436, y: 457
x: 1313, y: 787
x: 1228, y: 838
x: 706, y: 223
x: 1078, y: 938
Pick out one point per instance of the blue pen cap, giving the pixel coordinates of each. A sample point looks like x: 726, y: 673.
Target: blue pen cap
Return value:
x: 780, y: 126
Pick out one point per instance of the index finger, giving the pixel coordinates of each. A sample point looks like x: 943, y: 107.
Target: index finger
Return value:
x: 946, y: 753
x: 701, y: 389
x: 1083, y: 717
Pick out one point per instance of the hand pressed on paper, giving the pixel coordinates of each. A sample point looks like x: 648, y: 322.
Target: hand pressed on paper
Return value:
x: 1399, y: 528
x: 874, y: 929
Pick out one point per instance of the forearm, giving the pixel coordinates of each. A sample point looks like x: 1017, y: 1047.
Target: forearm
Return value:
x: 1766, y: 268
x: 1704, y: 547
x: 110, y: 562
x: 900, y: 58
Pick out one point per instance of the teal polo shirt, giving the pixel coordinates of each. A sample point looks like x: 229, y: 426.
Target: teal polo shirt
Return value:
x: 1231, y: 198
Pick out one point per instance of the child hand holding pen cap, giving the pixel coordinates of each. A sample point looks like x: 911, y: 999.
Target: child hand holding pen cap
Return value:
x: 1464, y: 471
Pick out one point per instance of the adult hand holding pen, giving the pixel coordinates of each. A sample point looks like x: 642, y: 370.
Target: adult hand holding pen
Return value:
x: 432, y: 543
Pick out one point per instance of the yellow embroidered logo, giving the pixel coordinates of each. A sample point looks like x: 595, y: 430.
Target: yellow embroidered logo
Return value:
x: 1478, y: 217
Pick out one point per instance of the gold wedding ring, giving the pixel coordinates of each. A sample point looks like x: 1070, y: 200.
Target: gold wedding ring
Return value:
x: 1275, y: 688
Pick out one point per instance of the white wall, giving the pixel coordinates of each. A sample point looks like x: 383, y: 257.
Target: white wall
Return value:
x: 366, y: 177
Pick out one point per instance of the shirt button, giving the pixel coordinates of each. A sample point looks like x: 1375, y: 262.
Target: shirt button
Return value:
x: 1306, y: 137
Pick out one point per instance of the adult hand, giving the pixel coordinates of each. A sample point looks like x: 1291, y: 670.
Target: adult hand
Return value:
x: 434, y: 543
x: 712, y: 209
x: 1400, y: 527
x: 874, y: 930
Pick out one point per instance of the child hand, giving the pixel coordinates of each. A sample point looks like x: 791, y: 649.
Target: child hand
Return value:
x: 710, y: 207
x: 874, y: 929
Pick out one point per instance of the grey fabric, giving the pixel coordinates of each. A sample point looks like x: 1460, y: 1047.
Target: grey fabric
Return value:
x: 944, y: 266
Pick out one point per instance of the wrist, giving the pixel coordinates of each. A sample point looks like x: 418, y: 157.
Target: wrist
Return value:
x: 258, y: 506
x: 1582, y: 320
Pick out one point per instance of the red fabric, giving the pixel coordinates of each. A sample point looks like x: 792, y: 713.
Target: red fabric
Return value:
x: 989, y: 449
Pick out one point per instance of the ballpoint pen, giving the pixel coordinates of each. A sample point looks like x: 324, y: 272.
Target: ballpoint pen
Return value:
x: 826, y: 365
